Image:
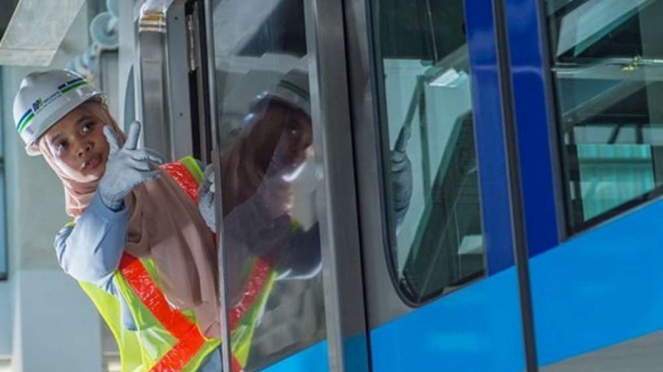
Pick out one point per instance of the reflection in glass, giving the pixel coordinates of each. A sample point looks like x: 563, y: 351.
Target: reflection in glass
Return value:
x: 607, y: 62
x: 270, y: 237
x: 432, y: 181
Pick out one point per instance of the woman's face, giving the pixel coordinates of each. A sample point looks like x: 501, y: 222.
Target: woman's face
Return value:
x: 282, y: 137
x: 79, y: 146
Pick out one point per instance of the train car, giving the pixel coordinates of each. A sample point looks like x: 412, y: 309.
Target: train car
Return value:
x: 475, y: 183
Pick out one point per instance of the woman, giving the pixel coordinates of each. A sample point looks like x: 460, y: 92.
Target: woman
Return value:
x: 138, y: 245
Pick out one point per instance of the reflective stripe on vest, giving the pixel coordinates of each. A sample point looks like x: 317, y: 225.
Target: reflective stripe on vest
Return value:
x: 179, y: 345
x: 189, y: 339
x: 167, y: 340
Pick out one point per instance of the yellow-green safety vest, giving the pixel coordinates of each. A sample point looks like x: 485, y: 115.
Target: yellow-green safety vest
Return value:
x: 169, y: 340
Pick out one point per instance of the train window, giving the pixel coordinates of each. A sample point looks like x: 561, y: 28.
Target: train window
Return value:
x: 429, y: 153
x: 270, y: 239
x: 607, y: 66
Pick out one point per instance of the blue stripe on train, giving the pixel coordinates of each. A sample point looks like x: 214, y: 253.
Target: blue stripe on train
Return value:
x: 476, y: 329
x: 600, y: 288
x: 595, y: 290
x: 313, y: 359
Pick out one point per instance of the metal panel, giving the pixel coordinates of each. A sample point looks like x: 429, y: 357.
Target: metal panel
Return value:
x: 108, y: 80
x: 608, y: 291
x: 209, y: 70
x: 164, y: 66
x: 177, y: 73
x: 153, y: 85
x: 383, y: 302
x: 4, y: 249
x: 127, y: 61
x: 536, y: 136
x: 337, y: 207
x: 491, y: 147
x: 514, y: 171
x: 202, y: 138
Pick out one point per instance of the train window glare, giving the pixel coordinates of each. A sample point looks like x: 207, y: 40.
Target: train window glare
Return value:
x: 607, y: 67
x: 430, y: 165
x: 271, y: 239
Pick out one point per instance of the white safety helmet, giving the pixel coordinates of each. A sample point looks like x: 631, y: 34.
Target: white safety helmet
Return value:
x: 292, y: 89
x: 46, y: 97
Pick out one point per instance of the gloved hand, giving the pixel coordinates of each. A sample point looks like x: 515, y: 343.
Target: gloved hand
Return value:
x: 127, y: 167
x: 401, y: 175
x: 401, y: 183
x: 206, y: 194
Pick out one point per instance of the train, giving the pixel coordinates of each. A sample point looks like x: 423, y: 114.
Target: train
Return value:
x: 480, y: 190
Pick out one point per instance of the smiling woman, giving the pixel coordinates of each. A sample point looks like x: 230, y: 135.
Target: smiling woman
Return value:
x: 138, y: 245
x: 78, y: 144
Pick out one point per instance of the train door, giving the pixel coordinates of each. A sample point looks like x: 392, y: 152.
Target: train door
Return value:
x: 587, y: 89
x: 442, y: 287
x: 361, y: 154
x: 261, y: 67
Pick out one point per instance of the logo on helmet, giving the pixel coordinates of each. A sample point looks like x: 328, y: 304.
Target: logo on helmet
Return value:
x: 37, y: 105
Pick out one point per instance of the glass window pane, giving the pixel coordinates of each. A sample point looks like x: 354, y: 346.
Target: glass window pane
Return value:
x: 608, y: 70
x: 431, y: 163
x: 270, y: 229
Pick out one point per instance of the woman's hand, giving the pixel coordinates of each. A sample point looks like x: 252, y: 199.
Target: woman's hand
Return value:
x: 127, y: 167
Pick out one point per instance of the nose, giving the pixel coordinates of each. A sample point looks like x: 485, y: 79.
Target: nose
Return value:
x: 83, y: 147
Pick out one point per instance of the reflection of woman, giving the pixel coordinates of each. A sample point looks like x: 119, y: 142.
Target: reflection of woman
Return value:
x: 268, y: 189
x: 137, y: 245
x: 266, y: 185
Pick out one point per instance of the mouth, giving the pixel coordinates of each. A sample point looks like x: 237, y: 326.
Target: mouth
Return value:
x: 92, y: 163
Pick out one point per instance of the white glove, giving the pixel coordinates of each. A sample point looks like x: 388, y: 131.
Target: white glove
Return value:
x: 206, y: 194
x: 401, y: 175
x: 401, y: 183
x: 127, y: 167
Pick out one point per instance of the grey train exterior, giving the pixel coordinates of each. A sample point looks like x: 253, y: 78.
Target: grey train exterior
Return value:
x: 480, y: 186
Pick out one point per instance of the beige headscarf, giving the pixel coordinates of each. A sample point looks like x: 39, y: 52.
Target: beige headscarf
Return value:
x: 166, y: 225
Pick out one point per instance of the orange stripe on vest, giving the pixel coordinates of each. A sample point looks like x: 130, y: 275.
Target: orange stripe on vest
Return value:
x: 189, y: 338
x: 180, y: 173
x: 187, y: 333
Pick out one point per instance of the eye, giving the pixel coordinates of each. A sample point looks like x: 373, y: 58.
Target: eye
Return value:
x: 87, y: 127
x: 61, y: 146
x: 292, y: 127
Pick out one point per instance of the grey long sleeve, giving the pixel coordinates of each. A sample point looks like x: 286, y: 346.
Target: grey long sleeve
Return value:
x: 90, y: 250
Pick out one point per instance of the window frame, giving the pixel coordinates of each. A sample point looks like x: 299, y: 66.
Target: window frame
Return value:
x: 382, y: 151
x: 568, y: 229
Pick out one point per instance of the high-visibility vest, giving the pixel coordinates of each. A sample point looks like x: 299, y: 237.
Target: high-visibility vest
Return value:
x: 166, y: 339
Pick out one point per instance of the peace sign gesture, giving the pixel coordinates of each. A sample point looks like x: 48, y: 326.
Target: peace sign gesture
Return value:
x: 128, y: 166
